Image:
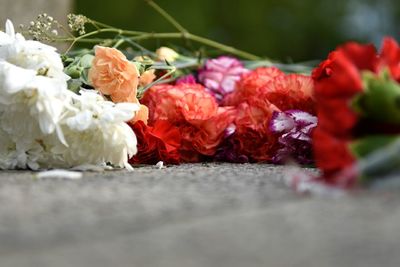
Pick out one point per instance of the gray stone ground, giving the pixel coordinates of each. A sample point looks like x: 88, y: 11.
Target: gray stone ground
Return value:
x: 192, y: 215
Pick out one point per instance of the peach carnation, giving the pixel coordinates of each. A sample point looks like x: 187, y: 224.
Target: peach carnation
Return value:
x: 113, y: 75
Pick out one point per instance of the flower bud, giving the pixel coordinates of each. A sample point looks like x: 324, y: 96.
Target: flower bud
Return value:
x: 167, y: 54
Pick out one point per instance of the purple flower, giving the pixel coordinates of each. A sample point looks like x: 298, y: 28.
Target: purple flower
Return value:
x: 227, y: 151
x: 295, y: 128
x: 220, y: 75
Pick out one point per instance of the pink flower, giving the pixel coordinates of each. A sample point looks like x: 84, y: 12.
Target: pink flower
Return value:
x: 220, y: 75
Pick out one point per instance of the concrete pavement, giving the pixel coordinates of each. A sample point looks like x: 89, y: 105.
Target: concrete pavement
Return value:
x: 191, y: 215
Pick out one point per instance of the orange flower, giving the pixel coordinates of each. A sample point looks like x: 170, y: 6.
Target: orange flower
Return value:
x: 112, y: 74
x: 147, y: 77
x: 141, y: 115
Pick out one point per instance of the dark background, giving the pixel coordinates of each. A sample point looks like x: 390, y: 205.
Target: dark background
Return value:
x: 288, y: 30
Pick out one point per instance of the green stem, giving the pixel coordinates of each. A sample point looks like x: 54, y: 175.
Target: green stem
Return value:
x: 224, y: 48
x: 113, y: 30
x: 171, y: 69
x: 118, y: 43
x: 175, y: 35
x: 88, y: 40
x: 200, y: 40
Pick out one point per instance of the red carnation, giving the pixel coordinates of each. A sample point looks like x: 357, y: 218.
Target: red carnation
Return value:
x: 292, y: 91
x: 336, y: 116
x: 252, y: 134
x: 337, y: 76
x: 349, y: 88
x: 331, y: 153
x: 258, y: 94
x: 179, y: 103
x: 251, y: 83
x: 390, y: 57
x: 337, y: 81
x: 160, y: 142
x: 364, y: 57
x: 195, y: 112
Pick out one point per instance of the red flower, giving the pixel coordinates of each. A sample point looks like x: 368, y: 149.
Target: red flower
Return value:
x: 337, y: 77
x: 336, y: 116
x: 179, y: 103
x: 332, y: 154
x: 203, y: 139
x: 338, y: 82
x: 292, y: 91
x: 364, y: 57
x: 211, y: 131
x: 160, y: 142
x: 390, y: 56
x: 252, y: 134
x: 250, y: 84
x: 195, y: 111
x: 258, y: 94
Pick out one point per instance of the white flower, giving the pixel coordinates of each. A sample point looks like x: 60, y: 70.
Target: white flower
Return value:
x: 44, y: 125
x: 32, y: 55
x: 92, y: 110
x: 13, y: 79
x: 44, y: 97
x: 59, y: 174
x: 31, y: 74
x: 19, y: 155
x: 96, y: 132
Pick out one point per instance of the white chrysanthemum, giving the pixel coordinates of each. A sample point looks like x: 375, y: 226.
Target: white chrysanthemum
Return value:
x: 32, y: 55
x: 31, y: 75
x: 96, y: 132
x: 43, y: 124
x: 19, y: 155
x: 23, y: 93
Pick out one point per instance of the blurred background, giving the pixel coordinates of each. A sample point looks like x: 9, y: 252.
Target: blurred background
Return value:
x: 288, y: 30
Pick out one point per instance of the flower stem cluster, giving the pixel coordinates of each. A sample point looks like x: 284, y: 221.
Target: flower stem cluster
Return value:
x: 44, y: 28
x: 76, y: 23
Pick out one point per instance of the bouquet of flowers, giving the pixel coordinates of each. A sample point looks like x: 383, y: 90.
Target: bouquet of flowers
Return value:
x: 119, y: 104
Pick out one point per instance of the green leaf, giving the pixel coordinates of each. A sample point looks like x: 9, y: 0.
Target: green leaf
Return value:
x: 365, y: 146
x: 380, y: 100
x: 378, y: 156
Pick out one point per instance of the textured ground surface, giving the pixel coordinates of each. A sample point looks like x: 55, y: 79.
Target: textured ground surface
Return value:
x: 192, y: 215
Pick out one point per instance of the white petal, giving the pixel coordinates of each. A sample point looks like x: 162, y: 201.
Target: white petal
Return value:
x: 59, y: 174
x: 10, y: 29
x: 13, y: 78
